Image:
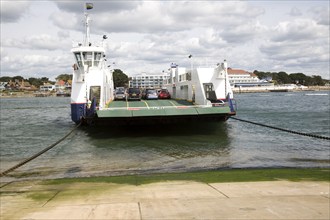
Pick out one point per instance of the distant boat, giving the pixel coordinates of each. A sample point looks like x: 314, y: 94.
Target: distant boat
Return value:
x: 278, y: 90
x: 63, y: 94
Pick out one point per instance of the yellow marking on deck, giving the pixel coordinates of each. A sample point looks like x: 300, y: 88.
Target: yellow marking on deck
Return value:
x: 172, y: 103
x: 146, y: 104
x: 108, y: 103
x: 127, y: 104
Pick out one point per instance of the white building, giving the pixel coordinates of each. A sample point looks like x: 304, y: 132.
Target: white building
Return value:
x: 145, y: 80
x: 47, y: 87
x: 242, y: 78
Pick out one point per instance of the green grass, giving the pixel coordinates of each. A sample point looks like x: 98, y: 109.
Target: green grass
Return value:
x: 233, y: 175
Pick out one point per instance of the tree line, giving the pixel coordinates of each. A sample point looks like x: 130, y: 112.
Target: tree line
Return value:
x: 119, y: 77
x: 37, y: 82
x: 293, y: 78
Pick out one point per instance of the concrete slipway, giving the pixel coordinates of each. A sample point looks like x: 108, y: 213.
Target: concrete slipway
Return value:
x: 166, y: 200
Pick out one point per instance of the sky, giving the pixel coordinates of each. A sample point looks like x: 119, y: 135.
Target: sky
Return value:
x: 147, y: 36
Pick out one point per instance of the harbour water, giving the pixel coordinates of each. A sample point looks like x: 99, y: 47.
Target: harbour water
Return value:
x: 29, y: 125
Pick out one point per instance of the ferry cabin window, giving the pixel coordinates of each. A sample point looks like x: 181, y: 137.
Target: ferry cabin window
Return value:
x: 95, y: 92
x: 88, y: 58
x: 78, y: 58
x: 97, y: 58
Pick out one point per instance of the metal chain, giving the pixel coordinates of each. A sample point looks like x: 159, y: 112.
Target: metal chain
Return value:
x: 282, y: 129
x: 37, y: 154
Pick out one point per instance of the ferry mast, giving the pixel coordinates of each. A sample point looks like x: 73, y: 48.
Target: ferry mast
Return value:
x: 87, y: 30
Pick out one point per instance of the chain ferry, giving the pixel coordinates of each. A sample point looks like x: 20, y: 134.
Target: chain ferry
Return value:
x: 197, y: 94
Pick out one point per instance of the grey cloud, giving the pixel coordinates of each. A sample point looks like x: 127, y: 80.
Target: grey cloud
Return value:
x: 297, y: 53
x: 67, y: 21
x: 37, y: 42
x: 13, y: 11
x: 242, y: 33
x: 99, y: 6
x: 161, y: 17
x: 322, y: 15
x: 295, y: 12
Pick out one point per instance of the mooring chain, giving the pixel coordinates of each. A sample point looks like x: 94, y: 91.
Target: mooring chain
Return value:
x: 37, y: 154
x: 282, y: 129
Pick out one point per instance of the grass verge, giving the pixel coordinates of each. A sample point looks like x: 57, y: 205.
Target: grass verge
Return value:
x: 232, y: 175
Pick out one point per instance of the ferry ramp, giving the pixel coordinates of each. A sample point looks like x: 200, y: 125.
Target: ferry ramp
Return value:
x: 158, y: 111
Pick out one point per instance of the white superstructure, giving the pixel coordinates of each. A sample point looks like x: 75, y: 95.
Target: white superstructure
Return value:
x: 200, y: 85
x: 92, y: 80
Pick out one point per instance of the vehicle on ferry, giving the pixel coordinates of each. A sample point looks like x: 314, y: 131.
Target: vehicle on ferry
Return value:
x: 120, y: 93
x: 134, y: 94
x: 164, y: 94
x: 150, y: 94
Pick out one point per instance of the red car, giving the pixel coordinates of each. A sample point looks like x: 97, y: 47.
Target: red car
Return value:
x: 164, y: 94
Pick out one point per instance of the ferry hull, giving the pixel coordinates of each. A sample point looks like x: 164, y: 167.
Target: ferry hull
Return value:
x: 158, y: 120
x: 148, y: 112
x: 77, y: 112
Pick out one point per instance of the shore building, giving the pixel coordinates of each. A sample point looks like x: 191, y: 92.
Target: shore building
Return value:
x: 242, y: 78
x: 145, y: 80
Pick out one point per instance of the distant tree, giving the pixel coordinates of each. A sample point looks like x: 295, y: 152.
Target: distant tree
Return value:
x: 35, y: 81
x: 283, y: 78
x: 298, y: 78
x: 19, y: 78
x: 64, y: 77
x: 262, y: 75
x: 120, y: 79
x: 45, y: 79
x: 5, y: 78
x: 317, y: 80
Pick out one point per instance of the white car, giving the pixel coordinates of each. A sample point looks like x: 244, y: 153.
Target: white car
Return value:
x: 120, y: 94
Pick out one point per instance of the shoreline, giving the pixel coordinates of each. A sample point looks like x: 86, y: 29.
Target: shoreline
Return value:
x: 279, y: 89
x: 33, y: 94
x: 206, y: 176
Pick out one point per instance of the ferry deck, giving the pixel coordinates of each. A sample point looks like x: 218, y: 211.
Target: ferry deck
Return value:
x: 160, y: 111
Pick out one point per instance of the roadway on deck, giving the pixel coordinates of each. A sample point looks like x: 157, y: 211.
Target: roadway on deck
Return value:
x: 146, y: 108
x: 149, y: 103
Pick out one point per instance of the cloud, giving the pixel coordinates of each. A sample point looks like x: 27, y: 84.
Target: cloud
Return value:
x: 149, y: 35
x: 156, y: 16
x: 295, y: 12
x: 67, y: 21
x: 305, y: 53
x: 13, y: 11
x: 35, y: 65
x: 243, y: 33
x: 321, y: 15
x: 299, y: 30
x: 37, y: 42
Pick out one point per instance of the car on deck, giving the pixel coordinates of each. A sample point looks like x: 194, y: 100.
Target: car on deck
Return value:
x: 120, y: 94
x: 151, y: 94
x: 164, y: 94
x: 133, y: 94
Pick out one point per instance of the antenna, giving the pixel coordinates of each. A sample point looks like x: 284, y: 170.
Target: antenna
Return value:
x: 87, y: 30
x: 87, y: 6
